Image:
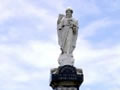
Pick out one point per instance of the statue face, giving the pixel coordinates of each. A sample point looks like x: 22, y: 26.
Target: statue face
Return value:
x: 68, y: 14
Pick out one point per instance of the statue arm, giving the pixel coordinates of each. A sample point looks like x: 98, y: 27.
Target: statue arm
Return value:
x: 75, y: 27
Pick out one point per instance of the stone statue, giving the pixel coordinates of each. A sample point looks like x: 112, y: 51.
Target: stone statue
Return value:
x: 67, y: 29
x: 66, y: 76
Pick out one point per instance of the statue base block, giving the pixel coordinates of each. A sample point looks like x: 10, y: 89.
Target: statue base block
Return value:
x: 65, y: 59
x: 66, y: 77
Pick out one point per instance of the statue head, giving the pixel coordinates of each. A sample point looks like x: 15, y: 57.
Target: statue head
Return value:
x: 69, y: 12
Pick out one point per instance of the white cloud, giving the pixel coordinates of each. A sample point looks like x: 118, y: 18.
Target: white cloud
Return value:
x: 34, y: 52
x: 55, y: 4
x: 94, y: 26
x: 45, y: 54
x: 39, y: 54
x: 98, y: 64
x: 13, y: 58
x: 89, y: 7
x: 3, y: 38
x: 5, y: 12
x: 84, y: 7
x: 24, y: 9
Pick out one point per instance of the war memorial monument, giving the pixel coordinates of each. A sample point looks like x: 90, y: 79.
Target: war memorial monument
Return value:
x: 66, y: 76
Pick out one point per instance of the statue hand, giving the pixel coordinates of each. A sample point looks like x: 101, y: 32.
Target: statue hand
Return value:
x: 59, y: 29
x: 74, y: 30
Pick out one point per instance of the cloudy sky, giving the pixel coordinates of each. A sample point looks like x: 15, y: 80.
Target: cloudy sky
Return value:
x: 29, y: 47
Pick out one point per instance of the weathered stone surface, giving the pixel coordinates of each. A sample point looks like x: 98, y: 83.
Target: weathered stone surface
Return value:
x: 66, y: 76
x: 66, y: 88
x: 65, y: 59
x: 67, y: 28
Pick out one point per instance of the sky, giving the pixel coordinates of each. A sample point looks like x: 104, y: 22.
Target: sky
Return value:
x: 29, y: 45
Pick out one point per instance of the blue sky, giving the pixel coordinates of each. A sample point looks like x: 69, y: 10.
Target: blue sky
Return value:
x: 29, y: 47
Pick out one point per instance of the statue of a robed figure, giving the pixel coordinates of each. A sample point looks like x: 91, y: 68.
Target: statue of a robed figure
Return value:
x: 66, y: 76
x: 67, y: 28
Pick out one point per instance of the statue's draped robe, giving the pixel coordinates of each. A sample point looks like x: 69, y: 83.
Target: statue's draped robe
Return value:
x: 66, y: 36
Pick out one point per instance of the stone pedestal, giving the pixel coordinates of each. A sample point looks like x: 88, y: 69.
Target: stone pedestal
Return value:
x: 66, y: 77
